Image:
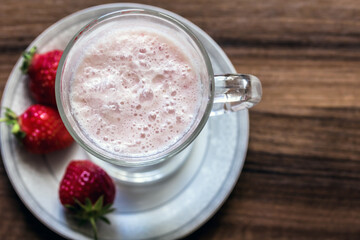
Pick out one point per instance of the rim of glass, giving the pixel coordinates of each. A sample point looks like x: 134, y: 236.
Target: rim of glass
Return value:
x: 135, y: 161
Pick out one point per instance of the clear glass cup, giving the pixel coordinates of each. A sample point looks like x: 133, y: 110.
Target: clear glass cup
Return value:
x: 220, y: 94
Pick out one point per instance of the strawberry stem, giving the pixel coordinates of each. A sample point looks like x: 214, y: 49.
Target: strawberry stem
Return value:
x: 27, y: 59
x: 93, y: 224
x: 91, y: 212
x: 12, y: 120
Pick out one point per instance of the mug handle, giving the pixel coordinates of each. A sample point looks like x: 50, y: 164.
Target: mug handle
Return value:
x: 234, y: 92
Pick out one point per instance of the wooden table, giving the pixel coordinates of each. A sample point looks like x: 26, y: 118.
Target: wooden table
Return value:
x: 301, y: 179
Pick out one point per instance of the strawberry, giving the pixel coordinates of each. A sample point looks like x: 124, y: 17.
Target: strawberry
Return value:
x: 39, y: 128
x: 87, y: 191
x: 42, y: 72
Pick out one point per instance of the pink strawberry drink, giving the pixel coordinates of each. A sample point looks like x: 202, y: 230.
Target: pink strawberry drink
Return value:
x: 134, y: 91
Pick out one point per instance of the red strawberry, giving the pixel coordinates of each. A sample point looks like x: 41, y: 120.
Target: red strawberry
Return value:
x: 87, y: 191
x: 42, y: 72
x: 39, y: 128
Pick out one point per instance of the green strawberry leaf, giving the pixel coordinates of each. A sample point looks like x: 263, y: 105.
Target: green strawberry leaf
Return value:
x: 105, y: 219
x: 99, y: 203
x: 12, y: 120
x: 27, y: 59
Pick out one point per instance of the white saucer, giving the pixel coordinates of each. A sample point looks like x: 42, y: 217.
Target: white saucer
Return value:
x: 169, y: 209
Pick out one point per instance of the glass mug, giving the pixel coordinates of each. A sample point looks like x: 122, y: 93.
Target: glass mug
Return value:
x: 220, y: 94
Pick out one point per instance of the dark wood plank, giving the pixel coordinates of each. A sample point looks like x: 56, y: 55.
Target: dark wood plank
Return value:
x: 301, y: 177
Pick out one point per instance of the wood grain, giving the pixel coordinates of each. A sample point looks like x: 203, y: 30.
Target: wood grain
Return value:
x: 301, y: 179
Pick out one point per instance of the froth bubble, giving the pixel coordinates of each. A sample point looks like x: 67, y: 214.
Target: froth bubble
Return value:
x: 179, y: 119
x: 146, y: 95
x: 159, y: 78
x: 129, y: 79
x: 170, y: 110
x: 152, y: 116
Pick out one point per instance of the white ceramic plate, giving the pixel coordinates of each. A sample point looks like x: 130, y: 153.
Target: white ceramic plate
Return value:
x: 166, y: 210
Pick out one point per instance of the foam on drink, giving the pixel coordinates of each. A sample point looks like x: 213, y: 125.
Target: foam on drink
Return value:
x: 135, y: 91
